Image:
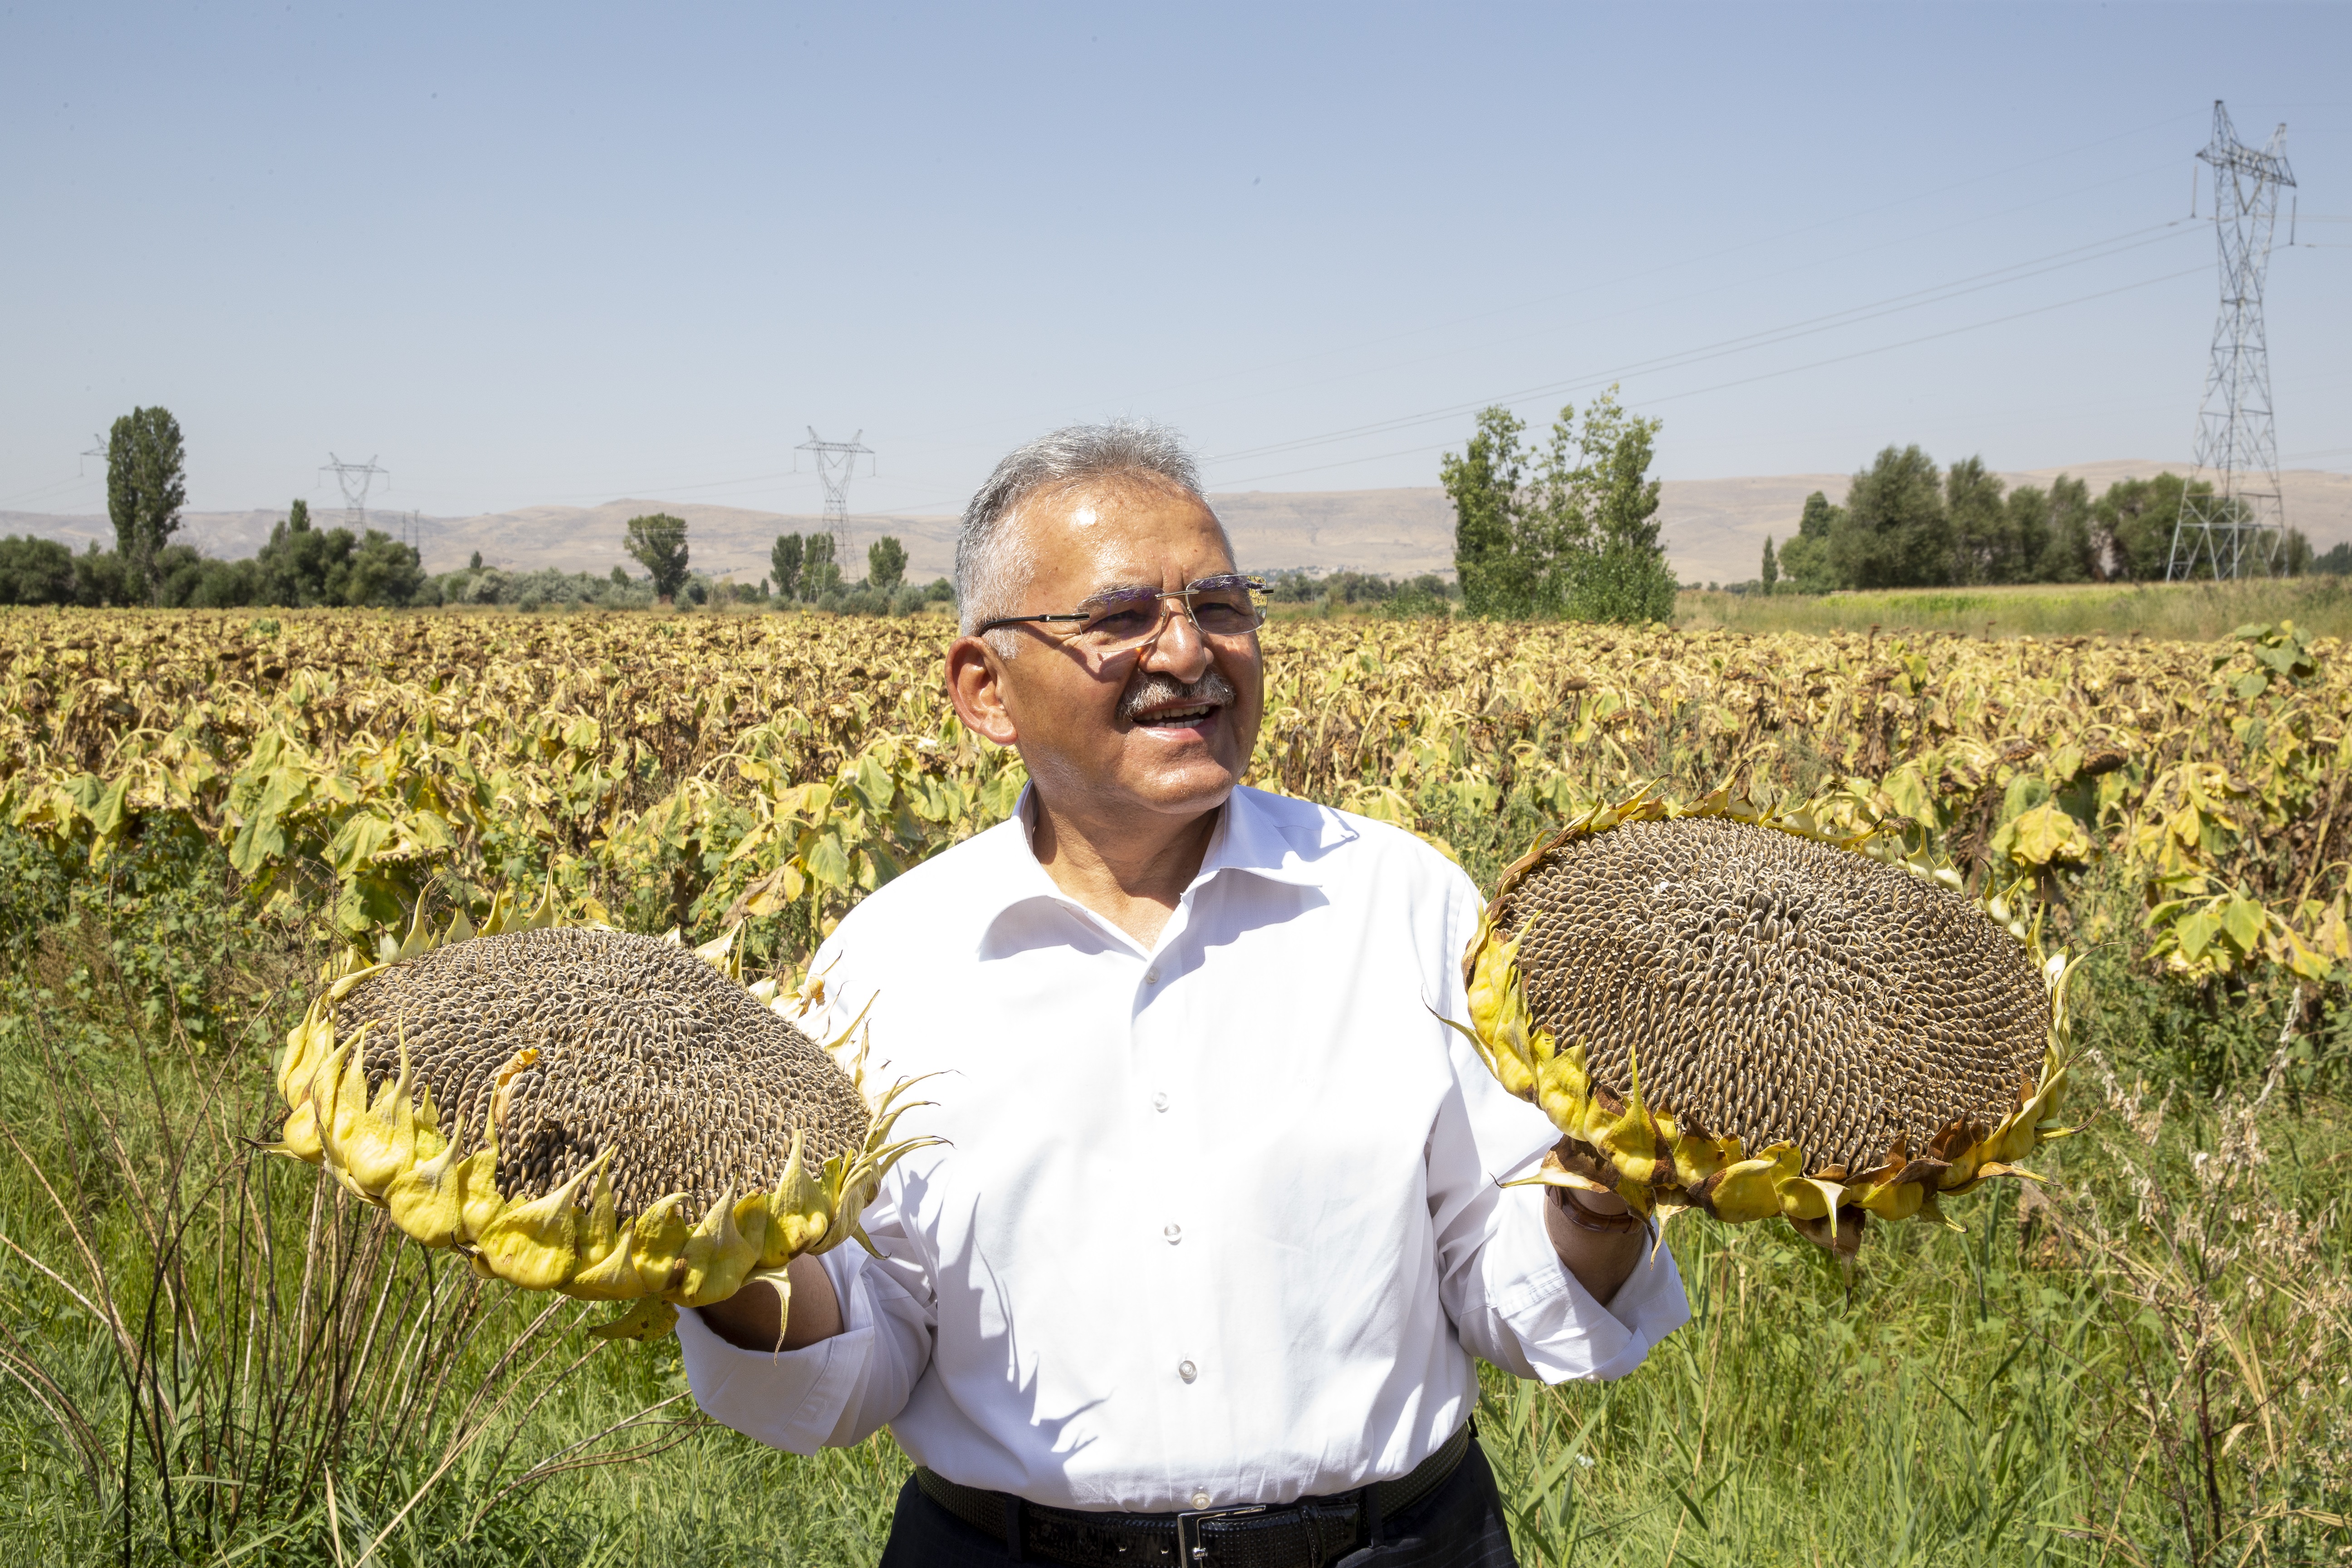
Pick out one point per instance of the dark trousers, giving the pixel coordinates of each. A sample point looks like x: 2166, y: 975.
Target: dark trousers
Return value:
x: 1459, y: 1525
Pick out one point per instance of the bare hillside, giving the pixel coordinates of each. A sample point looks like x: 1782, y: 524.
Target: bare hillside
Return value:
x: 1714, y: 529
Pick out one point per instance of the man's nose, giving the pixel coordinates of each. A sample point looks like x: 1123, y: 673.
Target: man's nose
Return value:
x: 1179, y: 651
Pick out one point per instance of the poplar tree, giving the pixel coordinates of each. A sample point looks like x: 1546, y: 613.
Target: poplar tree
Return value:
x: 146, y: 485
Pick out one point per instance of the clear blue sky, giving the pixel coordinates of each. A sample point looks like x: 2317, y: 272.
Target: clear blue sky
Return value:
x: 527, y: 254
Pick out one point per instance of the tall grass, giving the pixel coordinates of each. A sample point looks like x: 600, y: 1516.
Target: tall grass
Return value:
x: 209, y: 1355
x: 2145, y: 1365
x: 2195, y: 611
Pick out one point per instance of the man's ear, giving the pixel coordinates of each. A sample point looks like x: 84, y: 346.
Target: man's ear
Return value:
x: 975, y: 685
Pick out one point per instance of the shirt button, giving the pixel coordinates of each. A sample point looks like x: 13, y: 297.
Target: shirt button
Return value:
x: 1188, y: 1372
x: 1159, y: 1101
x: 1174, y: 1233
x: 1151, y: 977
x: 1200, y: 1499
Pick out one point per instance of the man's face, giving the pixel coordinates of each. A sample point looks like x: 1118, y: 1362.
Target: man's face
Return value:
x: 1167, y: 729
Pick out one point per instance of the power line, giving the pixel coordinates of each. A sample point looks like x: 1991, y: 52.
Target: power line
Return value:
x: 2099, y: 250
x: 1518, y: 307
x: 1520, y: 336
x: 1772, y: 375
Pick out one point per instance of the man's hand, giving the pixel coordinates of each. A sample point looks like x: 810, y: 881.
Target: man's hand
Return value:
x: 753, y: 1318
x: 1600, y: 1260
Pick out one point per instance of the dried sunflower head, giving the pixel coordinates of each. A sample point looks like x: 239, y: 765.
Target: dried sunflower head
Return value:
x: 578, y: 1108
x: 1739, y: 1012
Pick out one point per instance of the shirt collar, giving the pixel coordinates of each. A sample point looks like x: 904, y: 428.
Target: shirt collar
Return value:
x: 1249, y: 838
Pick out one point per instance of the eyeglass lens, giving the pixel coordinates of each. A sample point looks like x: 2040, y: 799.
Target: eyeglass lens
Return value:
x: 1221, y: 607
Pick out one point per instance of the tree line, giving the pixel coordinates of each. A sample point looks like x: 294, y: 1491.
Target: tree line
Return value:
x: 1566, y: 529
x: 146, y: 486
x: 1906, y: 524
x: 303, y: 565
x: 802, y: 572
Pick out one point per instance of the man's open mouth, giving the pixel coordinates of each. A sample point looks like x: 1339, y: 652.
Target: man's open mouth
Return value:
x: 1158, y: 701
x: 1172, y: 718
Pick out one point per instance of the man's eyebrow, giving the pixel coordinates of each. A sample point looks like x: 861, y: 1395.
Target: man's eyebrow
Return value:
x: 1108, y: 589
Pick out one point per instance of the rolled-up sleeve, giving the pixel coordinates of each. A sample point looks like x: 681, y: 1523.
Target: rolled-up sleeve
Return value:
x: 1537, y: 1320
x: 832, y: 1394
x: 1511, y: 1298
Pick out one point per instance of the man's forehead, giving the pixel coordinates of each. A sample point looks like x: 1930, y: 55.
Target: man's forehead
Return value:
x: 1126, y: 532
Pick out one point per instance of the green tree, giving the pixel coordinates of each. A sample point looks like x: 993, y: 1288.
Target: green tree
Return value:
x: 224, y: 585
x: 1572, y: 529
x: 2132, y: 524
x: 2295, y: 554
x: 1892, y: 533
x: 2066, y: 553
x: 102, y: 578
x: 301, y: 565
x: 35, y: 572
x: 1622, y: 574
x: 1615, y: 449
x: 1484, y: 486
x: 657, y: 544
x: 292, y: 568
x: 784, y: 559
x: 2026, y: 517
x: 146, y: 485
x: 1805, y: 561
x: 1984, y: 542
x: 820, y: 573
x: 886, y: 563
x: 1771, y: 571
x: 377, y: 569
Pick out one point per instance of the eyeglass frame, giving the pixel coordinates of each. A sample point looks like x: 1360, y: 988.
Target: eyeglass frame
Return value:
x: 1255, y: 586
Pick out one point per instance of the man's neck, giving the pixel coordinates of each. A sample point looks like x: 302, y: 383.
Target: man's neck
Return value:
x: 1132, y: 875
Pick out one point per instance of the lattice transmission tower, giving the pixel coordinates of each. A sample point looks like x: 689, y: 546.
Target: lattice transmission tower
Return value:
x: 836, y: 461
x: 2243, y: 522
x: 355, y: 479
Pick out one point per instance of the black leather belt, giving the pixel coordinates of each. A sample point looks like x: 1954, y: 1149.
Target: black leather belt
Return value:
x: 1308, y: 1533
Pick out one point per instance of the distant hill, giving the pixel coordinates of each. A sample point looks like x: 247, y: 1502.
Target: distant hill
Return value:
x: 1714, y: 529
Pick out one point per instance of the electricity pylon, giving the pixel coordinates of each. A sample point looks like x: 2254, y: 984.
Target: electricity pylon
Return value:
x: 835, y: 462
x: 2243, y: 521
x: 355, y: 479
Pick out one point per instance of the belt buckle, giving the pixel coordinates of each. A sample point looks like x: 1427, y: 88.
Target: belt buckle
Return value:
x: 1190, y: 1552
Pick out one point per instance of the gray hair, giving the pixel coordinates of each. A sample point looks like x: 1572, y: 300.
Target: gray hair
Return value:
x: 991, y: 564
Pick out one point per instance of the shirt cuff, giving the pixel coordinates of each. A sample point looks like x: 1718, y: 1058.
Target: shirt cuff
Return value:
x: 1561, y: 1330
x: 793, y: 1400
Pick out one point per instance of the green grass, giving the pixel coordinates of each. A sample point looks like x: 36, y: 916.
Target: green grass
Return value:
x: 2150, y: 1372
x: 2191, y: 611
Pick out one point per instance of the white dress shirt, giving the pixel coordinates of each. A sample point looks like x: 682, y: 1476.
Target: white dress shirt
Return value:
x: 1217, y: 1222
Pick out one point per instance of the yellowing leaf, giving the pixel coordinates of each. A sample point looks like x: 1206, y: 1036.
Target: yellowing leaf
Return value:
x: 2243, y: 920
x: 2196, y: 932
x: 2046, y: 835
x: 827, y: 861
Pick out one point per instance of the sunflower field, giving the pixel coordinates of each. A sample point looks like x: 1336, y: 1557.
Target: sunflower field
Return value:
x: 2145, y: 1362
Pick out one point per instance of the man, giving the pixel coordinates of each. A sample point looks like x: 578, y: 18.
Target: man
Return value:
x: 1199, y: 1271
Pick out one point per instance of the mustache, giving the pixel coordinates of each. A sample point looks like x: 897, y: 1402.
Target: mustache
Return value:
x: 1154, y: 690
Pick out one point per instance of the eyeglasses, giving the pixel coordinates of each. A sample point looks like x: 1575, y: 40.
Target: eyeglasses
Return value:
x: 1229, y: 606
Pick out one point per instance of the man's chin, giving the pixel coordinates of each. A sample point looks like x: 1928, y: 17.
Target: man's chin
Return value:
x: 1194, y: 778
